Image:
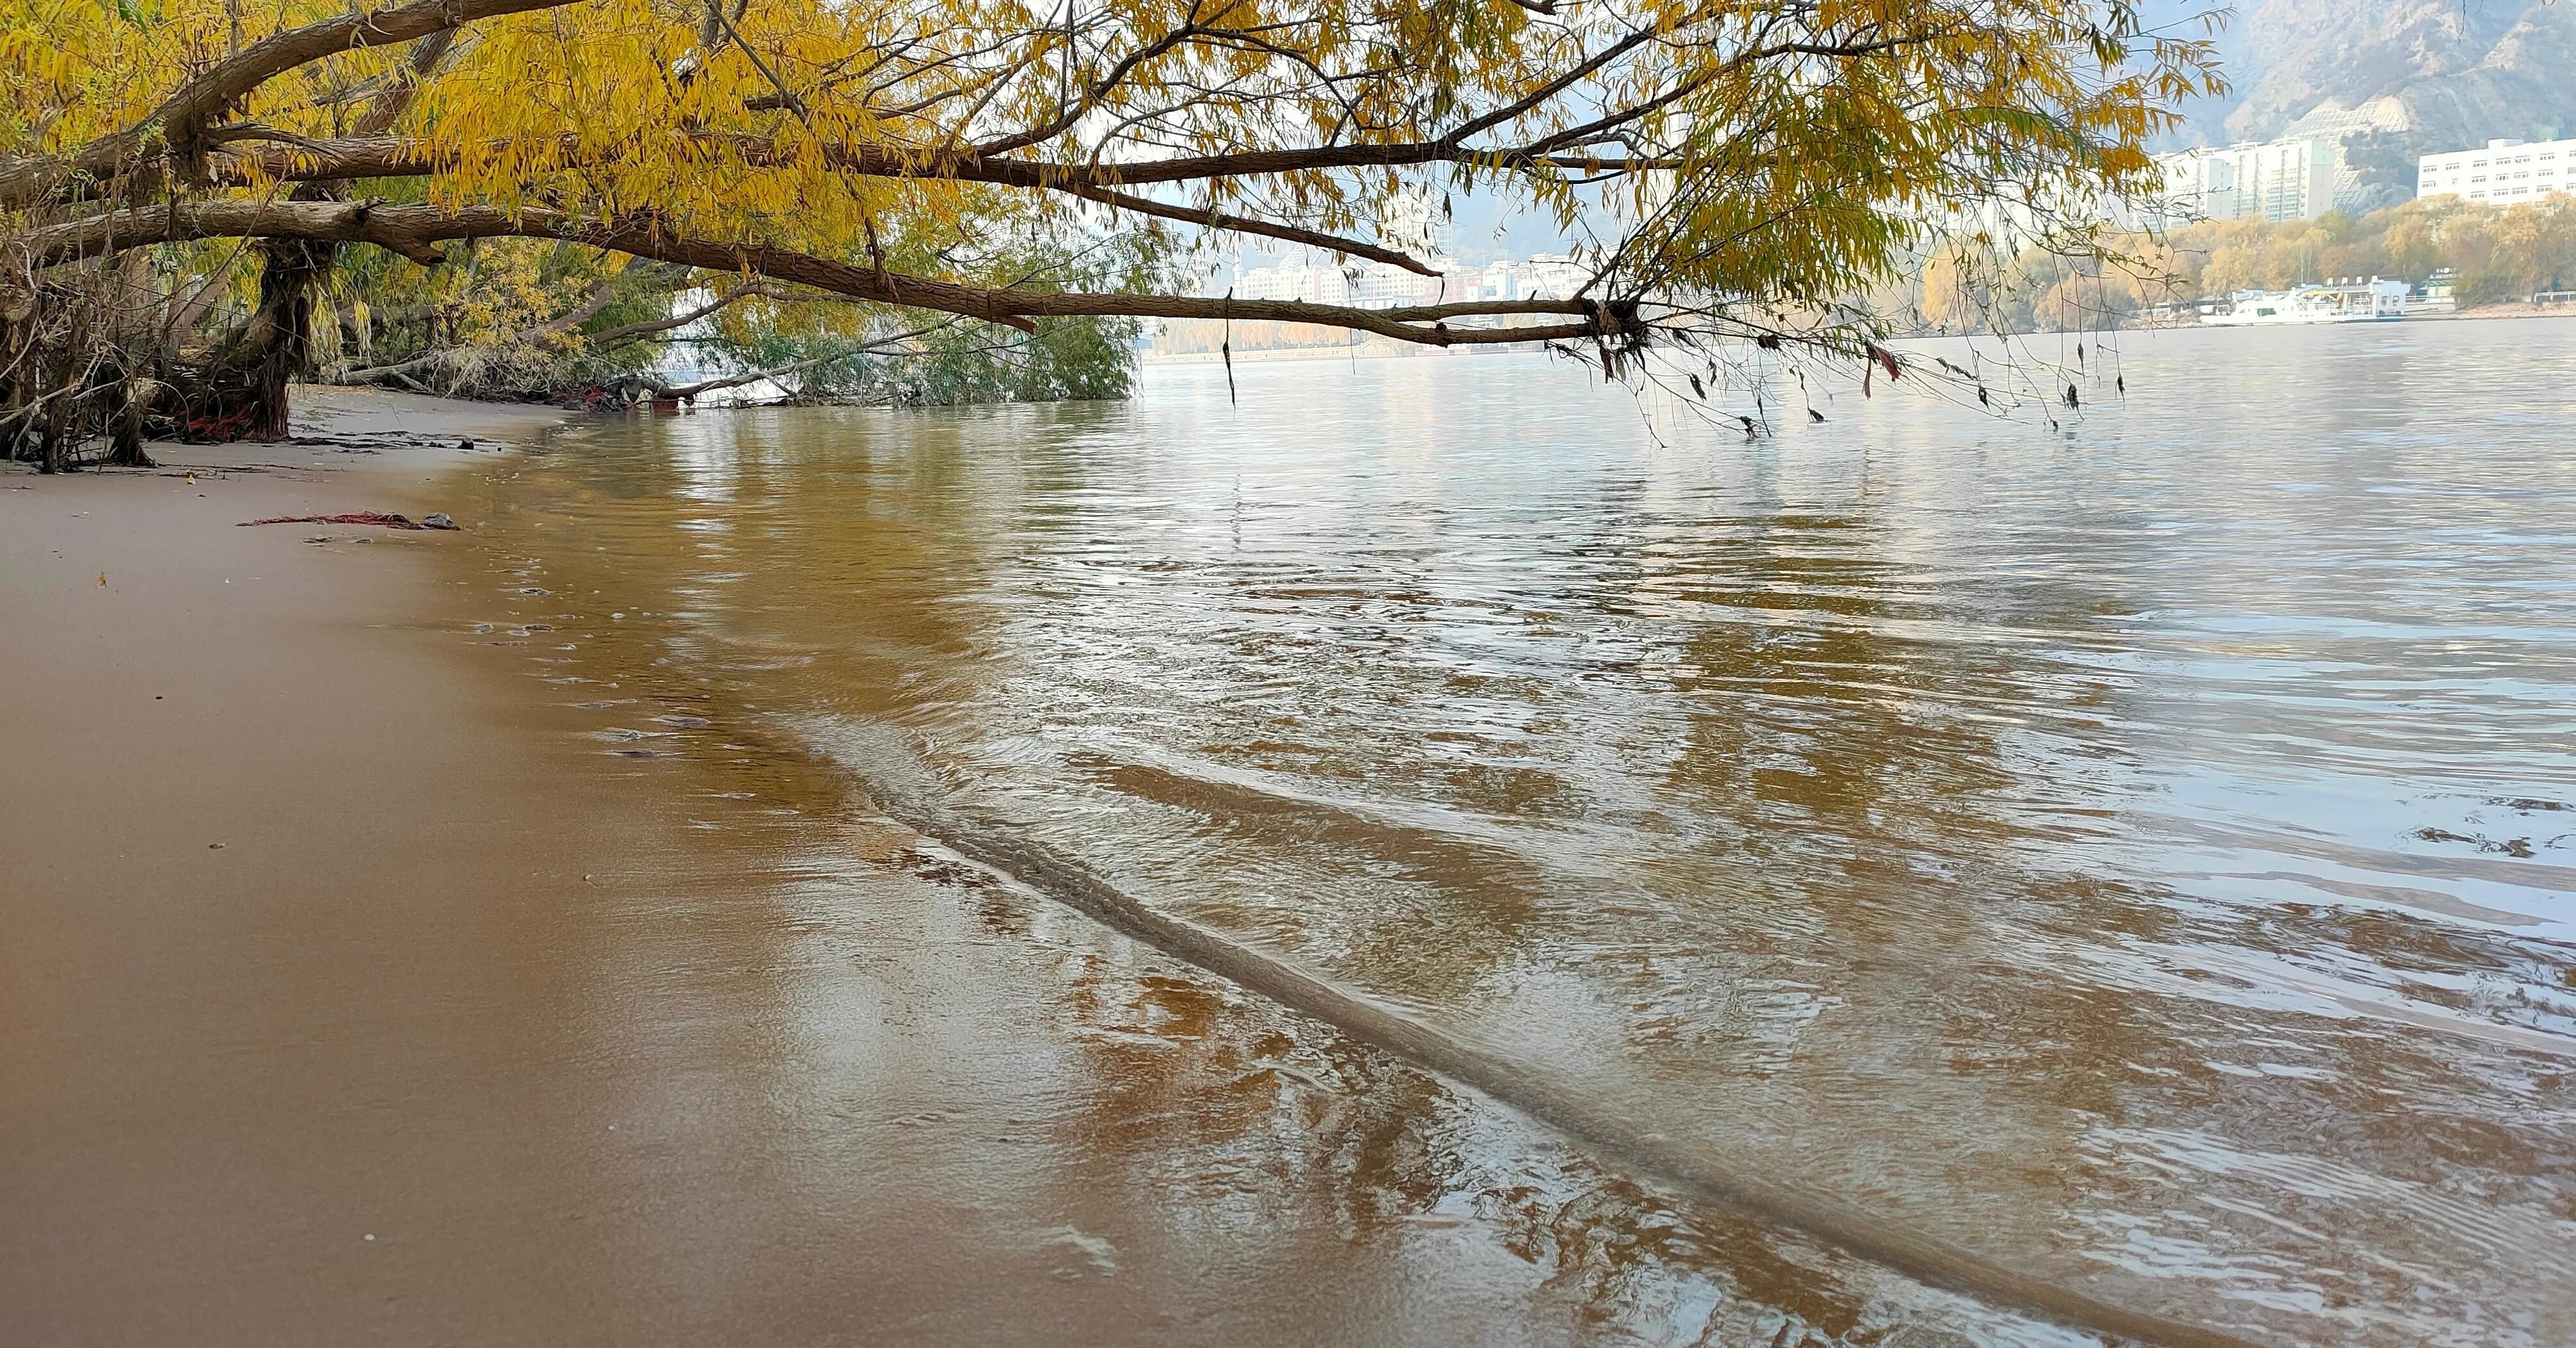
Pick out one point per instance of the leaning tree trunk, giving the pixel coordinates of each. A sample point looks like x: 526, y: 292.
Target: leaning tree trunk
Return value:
x: 241, y: 392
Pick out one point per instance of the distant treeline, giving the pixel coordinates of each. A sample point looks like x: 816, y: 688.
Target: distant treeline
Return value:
x: 2495, y: 254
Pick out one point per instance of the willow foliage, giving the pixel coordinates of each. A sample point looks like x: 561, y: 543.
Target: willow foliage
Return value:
x: 1760, y: 159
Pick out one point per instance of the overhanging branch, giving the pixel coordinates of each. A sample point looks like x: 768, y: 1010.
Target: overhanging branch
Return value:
x: 415, y: 232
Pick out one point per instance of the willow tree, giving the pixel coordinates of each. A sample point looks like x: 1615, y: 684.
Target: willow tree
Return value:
x: 1758, y: 159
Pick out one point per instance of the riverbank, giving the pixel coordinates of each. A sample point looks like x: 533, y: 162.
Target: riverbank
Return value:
x: 391, y: 952
x: 255, y: 1055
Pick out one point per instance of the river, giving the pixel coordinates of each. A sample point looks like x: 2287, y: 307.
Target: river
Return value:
x: 2129, y: 850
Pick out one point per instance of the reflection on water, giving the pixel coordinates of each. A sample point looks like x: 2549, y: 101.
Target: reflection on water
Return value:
x: 2142, y: 855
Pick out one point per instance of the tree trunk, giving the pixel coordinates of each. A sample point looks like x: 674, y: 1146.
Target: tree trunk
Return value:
x: 125, y: 425
x: 51, y: 452
x: 62, y: 424
x: 241, y: 395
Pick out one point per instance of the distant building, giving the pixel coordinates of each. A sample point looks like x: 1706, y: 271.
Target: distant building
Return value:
x: 2441, y: 292
x: 1546, y: 276
x: 1379, y: 285
x: 2505, y: 171
x: 1457, y: 283
x: 1294, y: 281
x: 2369, y: 169
x: 2272, y: 180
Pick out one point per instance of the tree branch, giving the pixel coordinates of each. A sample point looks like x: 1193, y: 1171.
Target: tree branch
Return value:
x: 626, y: 332
x: 298, y: 160
x: 1212, y: 219
x: 414, y: 231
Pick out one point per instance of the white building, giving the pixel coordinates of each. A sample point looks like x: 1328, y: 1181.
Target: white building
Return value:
x: 2272, y: 180
x: 1382, y: 285
x: 2505, y: 171
x: 1294, y: 281
x: 1546, y: 276
x: 1379, y: 285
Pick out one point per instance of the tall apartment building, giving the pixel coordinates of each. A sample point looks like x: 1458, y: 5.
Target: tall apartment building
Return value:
x: 2505, y: 171
x: 2273, y: 180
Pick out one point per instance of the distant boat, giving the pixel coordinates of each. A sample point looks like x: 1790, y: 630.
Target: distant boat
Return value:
x: 2371, y: 301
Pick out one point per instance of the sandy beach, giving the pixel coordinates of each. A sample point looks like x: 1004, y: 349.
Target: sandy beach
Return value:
x: 352, y: 992
x: 253, y: 1059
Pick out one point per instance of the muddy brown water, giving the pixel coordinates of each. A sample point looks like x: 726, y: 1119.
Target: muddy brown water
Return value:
x: 2136, y: 858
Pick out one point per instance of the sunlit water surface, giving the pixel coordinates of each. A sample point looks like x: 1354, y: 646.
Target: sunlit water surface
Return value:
x: 2139, y: 848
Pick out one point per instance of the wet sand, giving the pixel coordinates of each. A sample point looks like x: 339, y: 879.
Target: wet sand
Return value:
x: 348, y: 995
x: 256, y: 1000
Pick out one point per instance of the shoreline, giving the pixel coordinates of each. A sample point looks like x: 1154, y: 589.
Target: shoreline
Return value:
x: 1390, y: 351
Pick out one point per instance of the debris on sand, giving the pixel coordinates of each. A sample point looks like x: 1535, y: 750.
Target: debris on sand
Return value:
x: 375, y: 517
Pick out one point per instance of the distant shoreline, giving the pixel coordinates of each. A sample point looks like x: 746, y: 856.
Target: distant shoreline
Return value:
x: 1389, y: 351
x: 1276, y: 353
x: 2482, y: 314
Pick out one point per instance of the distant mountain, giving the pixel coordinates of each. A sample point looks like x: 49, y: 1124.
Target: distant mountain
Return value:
x: 2391, y: 79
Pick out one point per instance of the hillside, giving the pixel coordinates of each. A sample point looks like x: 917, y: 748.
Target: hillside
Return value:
x: 2393, y: 78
